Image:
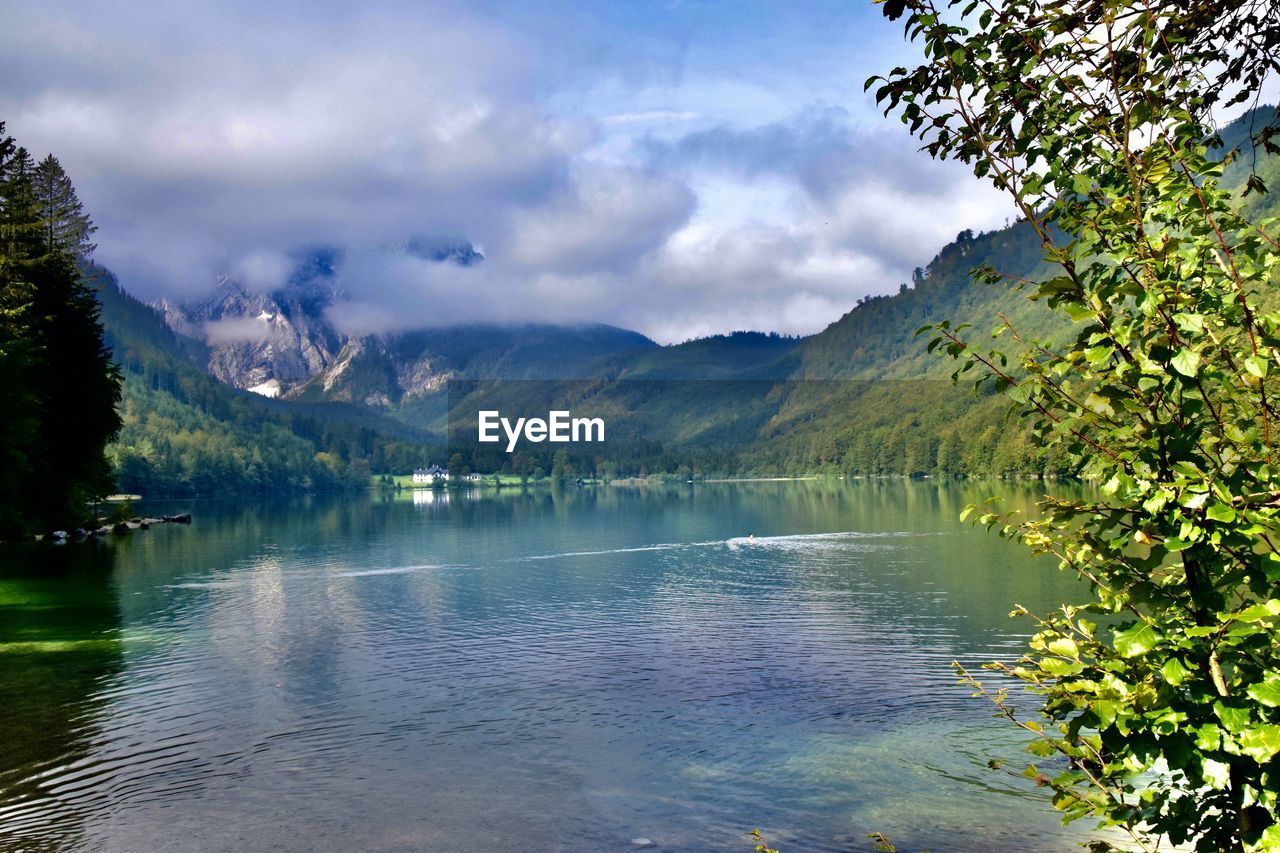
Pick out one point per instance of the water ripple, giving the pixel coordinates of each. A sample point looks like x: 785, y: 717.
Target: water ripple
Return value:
x: 439, y: 684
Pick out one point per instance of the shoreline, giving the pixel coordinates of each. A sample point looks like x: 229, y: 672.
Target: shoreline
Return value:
x: 760, y: 479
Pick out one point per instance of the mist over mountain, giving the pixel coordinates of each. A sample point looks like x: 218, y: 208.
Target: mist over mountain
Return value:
x: 861, y: 397
x: 289, y: 341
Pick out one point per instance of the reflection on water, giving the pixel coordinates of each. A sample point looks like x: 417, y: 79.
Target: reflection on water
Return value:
x: 430, y: 497
x: 60, y: 643
x: 504, y: 670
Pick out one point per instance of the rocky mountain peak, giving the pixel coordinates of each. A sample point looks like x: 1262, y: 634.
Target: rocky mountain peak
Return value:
x: 281, y: 343
x: 266, y: 342
x: 274, y: 342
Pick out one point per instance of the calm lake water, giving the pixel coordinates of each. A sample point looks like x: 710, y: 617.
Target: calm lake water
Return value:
x: 538, y: 671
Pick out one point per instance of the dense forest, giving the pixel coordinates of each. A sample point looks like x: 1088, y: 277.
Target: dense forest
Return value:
x: 58, y: 385
x: 100, y: 396
x: 185, y: 433
x: 862, y: 398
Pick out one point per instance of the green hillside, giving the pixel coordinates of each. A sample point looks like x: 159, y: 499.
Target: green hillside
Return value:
x: 908, y: 418
x: 876, y: 340
x: 877, y: 403
x: 740, y: 356
x: 863, y: 397
x: 187, y: 434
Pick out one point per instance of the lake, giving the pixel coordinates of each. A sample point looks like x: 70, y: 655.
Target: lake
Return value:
x: 573, y: 670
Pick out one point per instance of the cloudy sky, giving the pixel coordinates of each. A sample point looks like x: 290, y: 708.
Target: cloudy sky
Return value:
x: 680, y: 167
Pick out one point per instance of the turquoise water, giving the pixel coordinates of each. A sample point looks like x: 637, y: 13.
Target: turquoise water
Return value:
x: 538, y: 671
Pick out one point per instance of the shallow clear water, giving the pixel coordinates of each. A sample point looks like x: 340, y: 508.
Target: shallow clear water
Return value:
x: 539, y: 671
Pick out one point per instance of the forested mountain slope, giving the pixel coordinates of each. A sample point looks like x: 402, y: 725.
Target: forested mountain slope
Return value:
x: 865, y: 397
x: 384, y: 371
x: 186, y: 433
x: 862, y: 397
x: 876, y: 340
x: 912, y: 420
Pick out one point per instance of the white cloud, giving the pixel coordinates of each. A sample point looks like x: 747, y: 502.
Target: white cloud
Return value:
x: 651, y: 117
x: 606, y: 219
x: 665, y: 195
x: 263, y: 270
x: 235, y: 330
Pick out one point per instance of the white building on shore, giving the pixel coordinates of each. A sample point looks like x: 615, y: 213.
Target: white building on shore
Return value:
x: 430, y: 474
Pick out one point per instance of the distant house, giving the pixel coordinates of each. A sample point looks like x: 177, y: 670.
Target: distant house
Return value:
x: 430, y: 474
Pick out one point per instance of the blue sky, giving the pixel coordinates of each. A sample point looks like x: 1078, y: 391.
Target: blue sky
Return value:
x: 680, y: 167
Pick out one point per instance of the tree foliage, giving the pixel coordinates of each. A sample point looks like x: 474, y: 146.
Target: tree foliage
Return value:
x: 185, y: 433
x: 57, y: 382
x: 1160, y: 696
x: 64, y: 225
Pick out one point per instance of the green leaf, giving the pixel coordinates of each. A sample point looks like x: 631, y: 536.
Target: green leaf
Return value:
x: 1260, y: 742
x: 1174, y: 672
x: 1064, y: 646
x: 1216, y: 773
x: 1135, y: 640
x: 1270, y: 839
x: 1040, y: 748
x: 1060, y: 668
x: 1220, y: 512
x: 1196, y: 501
x: 1208, y: 737
x: 1263, y: 612
x: 1267, y: 693
x: 1186, y: 362
x: 1233, y: 719
x: 1189, y: 322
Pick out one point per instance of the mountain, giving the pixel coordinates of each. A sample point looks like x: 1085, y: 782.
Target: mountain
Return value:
x: 281, y: 342
x: 876, y: 340
x: 864, y: 396
x: 861, y: 397
x: 188, y: 433
x: 387, y: 370
x: 270, y: 342
x: 739, y: 356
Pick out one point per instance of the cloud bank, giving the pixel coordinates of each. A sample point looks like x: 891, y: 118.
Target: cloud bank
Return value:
x: 655, y: 187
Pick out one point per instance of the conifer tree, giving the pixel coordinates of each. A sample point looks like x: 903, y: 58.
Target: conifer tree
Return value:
x: 60, y: 388
x: 19, y: 424
x: 65, y: 225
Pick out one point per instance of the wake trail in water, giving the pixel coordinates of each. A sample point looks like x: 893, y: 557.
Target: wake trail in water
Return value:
x: 393, y: 570
x: 250, y: 579
x: 850, y: 537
